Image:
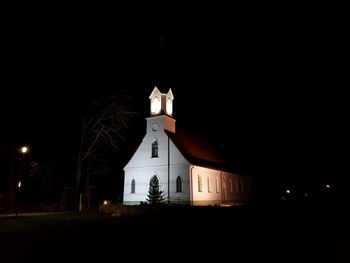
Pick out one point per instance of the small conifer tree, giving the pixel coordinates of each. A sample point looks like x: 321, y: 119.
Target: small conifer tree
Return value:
x: 155, y: 195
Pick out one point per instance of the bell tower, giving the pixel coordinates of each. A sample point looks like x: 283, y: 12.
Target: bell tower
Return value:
x: 161, y: 103
x: 161, y: 110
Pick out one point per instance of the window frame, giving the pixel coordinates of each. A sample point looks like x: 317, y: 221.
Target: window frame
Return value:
x: 200, y: 189
x: 179, y: 184
x: 133, y: 186
x: 155, y: 149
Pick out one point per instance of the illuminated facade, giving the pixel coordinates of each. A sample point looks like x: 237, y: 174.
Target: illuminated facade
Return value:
x: 188, y: 172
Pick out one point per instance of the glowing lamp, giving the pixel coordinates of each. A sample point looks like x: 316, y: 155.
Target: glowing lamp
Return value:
x: 24, y: 149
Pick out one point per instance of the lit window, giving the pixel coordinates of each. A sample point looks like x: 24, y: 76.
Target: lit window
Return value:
x: 208, y: 184
x: 155, y: 148
x: 155, y: 105
x: 217, y: 184
x: 199, y: 183
x: 133, y: 186
x: 169, y: 106
x: 178, y: 184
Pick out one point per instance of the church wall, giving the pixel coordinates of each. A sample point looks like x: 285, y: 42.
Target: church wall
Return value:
x: 143, y: 156
x: 224, y: 188
x: 201, y: 193
x: 142, y: 167
x: 182, y: 197
x: 142, y: 177
x: 179, y: 166
x: 235, y: 188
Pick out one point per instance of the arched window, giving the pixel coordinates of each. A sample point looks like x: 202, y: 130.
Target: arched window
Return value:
x: 217, y: 184
x: 224, y: 189
x: 133, y: 186
x: 178, y: 184
x: 155, y: 148
x: 199, y: 183
x: 208, y: 181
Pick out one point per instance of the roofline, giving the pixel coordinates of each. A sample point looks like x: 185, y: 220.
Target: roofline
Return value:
x: 208, y: 166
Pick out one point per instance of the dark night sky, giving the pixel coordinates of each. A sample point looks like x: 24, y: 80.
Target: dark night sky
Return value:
x: 256, y: 83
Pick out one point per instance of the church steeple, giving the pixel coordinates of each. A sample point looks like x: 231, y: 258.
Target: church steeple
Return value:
x: 161, y: 103
x: 161, y: 106
x: 169, y: 97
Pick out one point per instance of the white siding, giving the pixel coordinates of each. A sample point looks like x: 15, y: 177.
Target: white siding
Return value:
x: 204, y: 197
x: 224, y: 195
x: 142, y: 166
x: 225, y: 188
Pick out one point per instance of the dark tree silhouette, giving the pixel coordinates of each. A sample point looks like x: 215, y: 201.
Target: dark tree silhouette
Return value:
x: 104, y: 124
x: 155, y: 195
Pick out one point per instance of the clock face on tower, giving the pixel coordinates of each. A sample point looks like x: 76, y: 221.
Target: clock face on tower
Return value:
x: 155, y: 127
x: 169, y: 106
x: 155, y: 105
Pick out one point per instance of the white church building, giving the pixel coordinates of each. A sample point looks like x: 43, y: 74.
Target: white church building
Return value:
x: 187, y: 170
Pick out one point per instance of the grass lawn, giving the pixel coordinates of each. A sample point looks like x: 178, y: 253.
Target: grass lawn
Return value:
x: 26, y: 223
x: 210, y: 233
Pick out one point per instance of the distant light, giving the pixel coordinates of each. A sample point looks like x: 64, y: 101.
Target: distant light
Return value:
x: 306, y: 194
x: 24, y: 149
x: 328, y: 186
x: 19, y: 184
x: 105, y: 202
x: 288, y: 191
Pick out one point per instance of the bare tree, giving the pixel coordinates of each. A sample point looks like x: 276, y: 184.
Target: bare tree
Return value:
x: 106, y: 124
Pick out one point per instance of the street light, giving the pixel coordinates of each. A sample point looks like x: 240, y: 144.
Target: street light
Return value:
x: 24, y: 149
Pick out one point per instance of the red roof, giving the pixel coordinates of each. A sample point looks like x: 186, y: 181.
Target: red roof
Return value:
x: 198, y: 151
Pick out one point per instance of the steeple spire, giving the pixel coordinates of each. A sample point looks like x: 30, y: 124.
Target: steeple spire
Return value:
x: 162, y: 72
